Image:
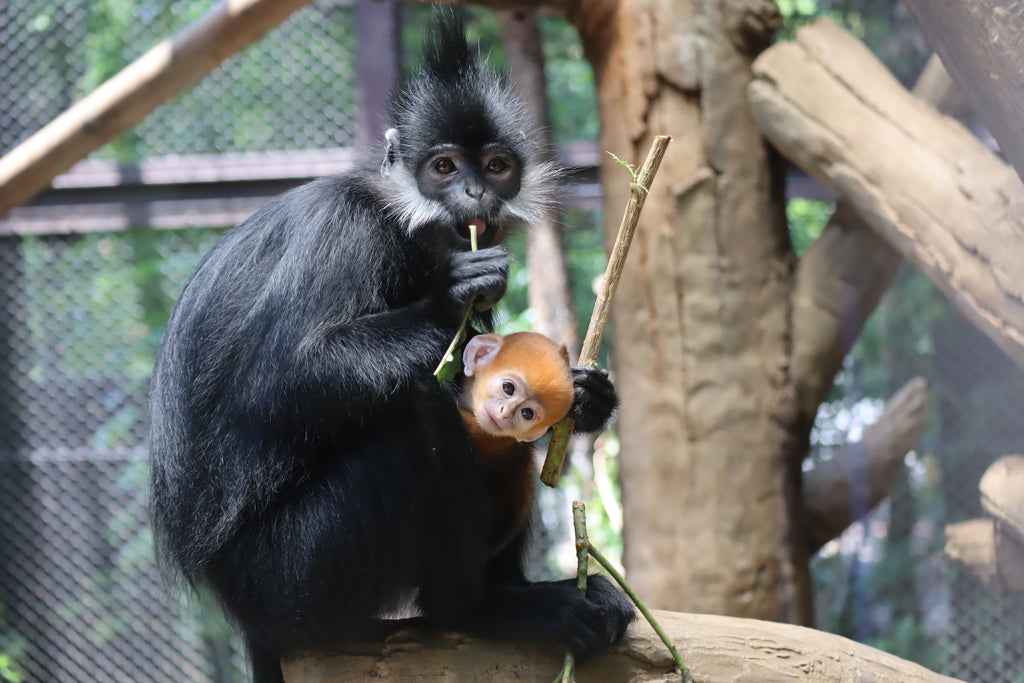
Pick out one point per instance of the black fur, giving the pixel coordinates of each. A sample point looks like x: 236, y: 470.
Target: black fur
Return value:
x: 306, y: 465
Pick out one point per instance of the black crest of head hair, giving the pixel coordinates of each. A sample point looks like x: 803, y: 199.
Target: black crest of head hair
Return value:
x: 455, y: 98
x: 446, y: 53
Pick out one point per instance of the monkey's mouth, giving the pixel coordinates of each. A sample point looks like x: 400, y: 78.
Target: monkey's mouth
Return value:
x: 466, y: 228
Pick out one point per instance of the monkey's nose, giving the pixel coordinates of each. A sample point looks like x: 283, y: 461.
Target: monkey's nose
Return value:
x: 474, y: 190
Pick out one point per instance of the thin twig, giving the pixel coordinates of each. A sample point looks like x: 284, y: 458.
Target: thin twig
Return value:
x: 449, y: 356
x: 610, y: 568
x: 552, y: 469
x: 579, y: 525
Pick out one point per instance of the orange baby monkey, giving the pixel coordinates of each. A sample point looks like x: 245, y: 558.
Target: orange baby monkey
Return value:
x: 516, y: 387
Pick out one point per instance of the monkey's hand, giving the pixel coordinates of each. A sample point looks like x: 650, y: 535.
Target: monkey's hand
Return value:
x: 594, y: 401
x: 477, y: 276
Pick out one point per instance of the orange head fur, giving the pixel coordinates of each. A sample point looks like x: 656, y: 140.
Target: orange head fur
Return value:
x: 518, y: 385
x: 545, y: 366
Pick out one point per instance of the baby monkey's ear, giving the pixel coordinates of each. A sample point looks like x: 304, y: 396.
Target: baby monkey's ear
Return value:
x: 480, y: 351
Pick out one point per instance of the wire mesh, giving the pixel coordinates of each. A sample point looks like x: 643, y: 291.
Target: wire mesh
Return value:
x: 80, y: 319
x: 55, y: 53
x: 887, y: 580
x: 81, y: 597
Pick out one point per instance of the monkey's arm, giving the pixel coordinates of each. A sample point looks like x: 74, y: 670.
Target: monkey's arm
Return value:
x: 356, y: 364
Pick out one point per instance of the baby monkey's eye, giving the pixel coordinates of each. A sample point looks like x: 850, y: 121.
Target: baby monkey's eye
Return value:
x: 527, y: 414
x: 508, y: 388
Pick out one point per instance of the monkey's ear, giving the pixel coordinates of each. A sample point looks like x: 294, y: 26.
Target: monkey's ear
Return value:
x: 480, y: 350
x: 390, y: 151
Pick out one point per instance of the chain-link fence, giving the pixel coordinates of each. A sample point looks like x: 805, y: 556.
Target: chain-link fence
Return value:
x: 294, y: 89
x: 81, y: 315
x: 80, y: 318
x: 80, y: 595
x: 887, y: 581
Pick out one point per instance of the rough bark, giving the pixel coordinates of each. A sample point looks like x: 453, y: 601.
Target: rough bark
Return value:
x: 701, y: 319
x: 841, y: 490
x: 924, y: 183
x: 123, y: 101
x: 981, y: 43
x: 714, y: 648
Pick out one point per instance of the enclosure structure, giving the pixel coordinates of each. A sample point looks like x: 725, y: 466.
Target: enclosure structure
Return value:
x: 88, y: 271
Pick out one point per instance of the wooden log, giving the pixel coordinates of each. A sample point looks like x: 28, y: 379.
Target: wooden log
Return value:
x: 839, y: 491
x: 944, y: 201
x: 839, y: 282
x: 993, y: 549
x: 986, y: 550
x: 715, y: 649
x: 845, y: 273
x: 1002, y: 494
x: 981, y: 43
x: 123, y: 101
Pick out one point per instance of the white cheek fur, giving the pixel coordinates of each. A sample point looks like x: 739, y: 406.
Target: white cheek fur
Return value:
x: 404, y: 198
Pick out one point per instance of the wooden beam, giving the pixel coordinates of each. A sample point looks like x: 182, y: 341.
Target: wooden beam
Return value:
x: 123, y: 101
x: 842, y: 490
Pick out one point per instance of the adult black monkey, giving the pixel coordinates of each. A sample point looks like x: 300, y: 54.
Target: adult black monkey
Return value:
x: 306, y: 465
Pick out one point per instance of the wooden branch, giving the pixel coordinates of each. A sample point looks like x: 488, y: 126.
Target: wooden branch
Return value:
x: 986, y: 550
x: 845, y: 273
x: 993, y: 549
x: 936, y: 87
x: 840, y: 491
x: 839, y: 282
x: 921, y: 180
x: 551, y: 470
x: 126, y: 99
x: 1002, y: 493
x: 716, y: 649
x: 981, y: 43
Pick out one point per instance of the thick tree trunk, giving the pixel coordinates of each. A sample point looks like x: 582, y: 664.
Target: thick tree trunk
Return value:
x: 701, y: 334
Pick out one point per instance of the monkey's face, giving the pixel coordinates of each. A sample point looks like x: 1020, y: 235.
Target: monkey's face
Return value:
x: 504, y: 405
x: 471, y: 186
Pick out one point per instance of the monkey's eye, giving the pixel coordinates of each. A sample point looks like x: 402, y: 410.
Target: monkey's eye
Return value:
x: 496, y: 165
x: 508, y: 388
x: 444, y: 166
x: 527, y: 414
